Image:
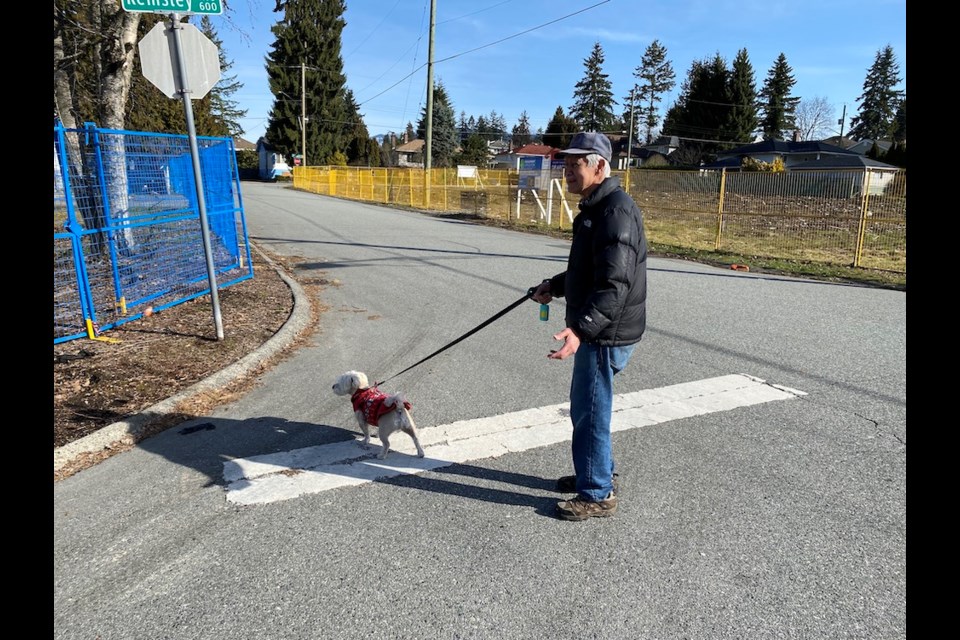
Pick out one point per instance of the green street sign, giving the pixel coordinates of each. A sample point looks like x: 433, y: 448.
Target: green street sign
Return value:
x: 207, y: 7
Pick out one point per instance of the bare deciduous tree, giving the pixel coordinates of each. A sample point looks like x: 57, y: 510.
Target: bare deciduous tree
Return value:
x: 814, y: 118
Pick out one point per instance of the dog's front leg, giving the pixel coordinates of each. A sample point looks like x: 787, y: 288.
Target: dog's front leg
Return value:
x: 365, y: 428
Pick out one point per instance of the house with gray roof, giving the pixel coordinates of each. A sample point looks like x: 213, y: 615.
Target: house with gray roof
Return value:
x: 810, y: 155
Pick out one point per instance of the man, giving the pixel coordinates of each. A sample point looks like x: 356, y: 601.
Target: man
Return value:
x: 605, y: 286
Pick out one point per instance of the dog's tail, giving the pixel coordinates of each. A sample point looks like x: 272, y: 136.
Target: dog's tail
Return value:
x: 397, y: 399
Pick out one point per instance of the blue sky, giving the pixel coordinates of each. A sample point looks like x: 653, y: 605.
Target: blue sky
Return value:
x: 511, y: 56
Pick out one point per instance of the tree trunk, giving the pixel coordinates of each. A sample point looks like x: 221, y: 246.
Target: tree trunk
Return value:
x: 117, y: 51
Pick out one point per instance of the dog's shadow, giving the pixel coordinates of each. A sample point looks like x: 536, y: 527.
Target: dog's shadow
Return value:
x: 542, y: 505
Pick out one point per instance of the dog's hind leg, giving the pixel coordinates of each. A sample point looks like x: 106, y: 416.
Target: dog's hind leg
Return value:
x: 408, y: 426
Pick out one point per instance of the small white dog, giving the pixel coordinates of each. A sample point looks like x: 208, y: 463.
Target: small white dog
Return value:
x: 375, y: 408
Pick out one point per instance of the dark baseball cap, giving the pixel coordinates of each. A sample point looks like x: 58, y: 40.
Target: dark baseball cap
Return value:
x: 588, y: 142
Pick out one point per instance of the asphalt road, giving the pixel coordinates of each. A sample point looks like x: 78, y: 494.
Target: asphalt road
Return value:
x: 784, y: 519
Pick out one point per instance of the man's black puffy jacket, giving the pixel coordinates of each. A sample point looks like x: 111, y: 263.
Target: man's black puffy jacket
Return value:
x: 605, y: 284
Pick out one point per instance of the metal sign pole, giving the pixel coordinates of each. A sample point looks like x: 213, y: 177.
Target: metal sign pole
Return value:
x: 175, y: 26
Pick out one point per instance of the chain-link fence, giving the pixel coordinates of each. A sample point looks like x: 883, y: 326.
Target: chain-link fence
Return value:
x: 838, y: 217
x: 127, y: 235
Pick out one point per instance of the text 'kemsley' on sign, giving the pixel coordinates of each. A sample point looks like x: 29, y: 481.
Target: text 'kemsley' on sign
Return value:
x: 209, y: 7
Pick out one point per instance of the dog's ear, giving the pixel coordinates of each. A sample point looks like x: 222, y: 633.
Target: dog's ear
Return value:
x: 360, y: 380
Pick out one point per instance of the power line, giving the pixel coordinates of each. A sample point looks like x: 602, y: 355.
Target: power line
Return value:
x: 457, y: 55
x: 493, y: 6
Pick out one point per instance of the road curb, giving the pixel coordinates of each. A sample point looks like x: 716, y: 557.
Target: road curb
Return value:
x: 130, y: 429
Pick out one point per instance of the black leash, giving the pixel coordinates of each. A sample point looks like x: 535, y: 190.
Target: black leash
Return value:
x: 512, y: 306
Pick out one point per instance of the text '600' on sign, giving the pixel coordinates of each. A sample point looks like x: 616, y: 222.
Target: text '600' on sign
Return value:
x: 209, y: 7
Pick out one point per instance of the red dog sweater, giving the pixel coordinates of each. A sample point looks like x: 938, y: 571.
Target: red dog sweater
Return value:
x: 372, y: 402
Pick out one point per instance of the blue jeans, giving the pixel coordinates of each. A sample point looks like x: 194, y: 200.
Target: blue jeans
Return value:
x: 591, y: 404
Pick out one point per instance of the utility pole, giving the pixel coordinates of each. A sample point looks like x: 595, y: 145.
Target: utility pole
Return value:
x: 630, y: 139
x: 303, y: 115
x: 630, y: 136
x: 427, y: 157
x: 842, y: 120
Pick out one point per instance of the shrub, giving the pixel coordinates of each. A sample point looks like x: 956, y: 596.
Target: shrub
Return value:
x: 247, y: 159
x: 751, y: 164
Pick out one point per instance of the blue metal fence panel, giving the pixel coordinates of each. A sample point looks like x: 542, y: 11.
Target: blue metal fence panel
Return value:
x: 127, y: 232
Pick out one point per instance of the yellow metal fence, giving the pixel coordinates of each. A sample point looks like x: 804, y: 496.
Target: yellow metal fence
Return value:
x: 849, y: 218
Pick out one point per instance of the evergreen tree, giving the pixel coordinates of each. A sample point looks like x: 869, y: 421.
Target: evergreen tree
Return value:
x: 498, y: 126
x: 743, y: 121
x: 520, y: 135
x: 474, y: 153
x: 304, y: 64
x: 410, y: 134
x: 702, y: 111
x: 778, y: 105
x: 675, y: 121
x: 897, y: 154
x: 709, y: 102
x: 879, y: 100
x: 387, y: 158
x: 358, y: 138
x: 463, y: 127
x: 560, y: 130
x: 374, y: 157
x: 656, y: 78
x: 483, y: 128
x: 900, y: 123
x: 444, y: 137
x: 223, y: 108
x: 147, y: 108
x: 593, y: 98
x: 215, y: 114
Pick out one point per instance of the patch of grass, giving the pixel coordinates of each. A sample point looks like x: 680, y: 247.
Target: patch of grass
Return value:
x: 787, y: 267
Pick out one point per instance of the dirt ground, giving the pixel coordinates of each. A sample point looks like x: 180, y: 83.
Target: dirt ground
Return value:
x: 99, y: 382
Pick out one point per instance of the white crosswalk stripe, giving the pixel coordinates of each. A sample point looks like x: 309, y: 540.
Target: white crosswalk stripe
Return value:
x: 289, y: 474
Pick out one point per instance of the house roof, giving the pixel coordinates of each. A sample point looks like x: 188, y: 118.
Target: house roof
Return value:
x: 732, y: 162
x: 645, y: 154
x: 665, y: 141
x: 840, y: 141
x: 864, y: 146
x: 240, y: 144
x: 535, y: 150
x: 829, y: 161
x: 784, y: 147
x: 855, y: 161
x: 263, y: 144
x: 414, y: 146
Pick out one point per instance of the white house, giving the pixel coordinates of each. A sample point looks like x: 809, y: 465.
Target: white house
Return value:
x: 271, y: 163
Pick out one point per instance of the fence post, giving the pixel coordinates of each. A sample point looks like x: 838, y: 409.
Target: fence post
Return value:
x: 426, y: 187
x: 723, y: 186
x: 862, y: 225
